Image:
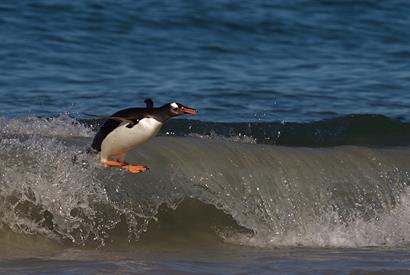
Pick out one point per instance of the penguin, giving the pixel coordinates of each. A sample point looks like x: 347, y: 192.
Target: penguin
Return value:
x: 129, y: 128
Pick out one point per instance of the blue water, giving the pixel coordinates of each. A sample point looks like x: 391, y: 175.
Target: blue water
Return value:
x: 233, y: 60
x: 230, y: 197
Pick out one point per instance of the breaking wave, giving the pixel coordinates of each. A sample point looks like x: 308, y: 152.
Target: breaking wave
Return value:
x: 202, y: 188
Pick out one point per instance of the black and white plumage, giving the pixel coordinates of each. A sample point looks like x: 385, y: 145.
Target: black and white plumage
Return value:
x: 129, y: 128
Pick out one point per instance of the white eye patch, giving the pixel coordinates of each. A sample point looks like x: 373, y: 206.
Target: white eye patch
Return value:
x: 174, y: 105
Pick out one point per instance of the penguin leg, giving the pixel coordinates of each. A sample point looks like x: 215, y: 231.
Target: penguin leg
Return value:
x: 135, y: 169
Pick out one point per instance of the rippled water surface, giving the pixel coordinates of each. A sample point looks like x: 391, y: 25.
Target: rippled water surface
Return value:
x: 235, y: 61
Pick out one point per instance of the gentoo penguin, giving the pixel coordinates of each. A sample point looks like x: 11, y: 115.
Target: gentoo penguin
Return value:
x: 129, y: 128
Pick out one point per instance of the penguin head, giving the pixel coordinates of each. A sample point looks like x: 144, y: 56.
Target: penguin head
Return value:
x: 177, y: 109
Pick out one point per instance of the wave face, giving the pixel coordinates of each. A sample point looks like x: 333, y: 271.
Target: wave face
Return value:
x: 363, y: 130
x: 200, y: 189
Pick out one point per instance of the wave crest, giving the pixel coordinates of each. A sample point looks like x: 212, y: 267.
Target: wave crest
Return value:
x: 250, y: 194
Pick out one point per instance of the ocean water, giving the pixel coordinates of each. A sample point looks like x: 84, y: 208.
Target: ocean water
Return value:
x: 298, y: 161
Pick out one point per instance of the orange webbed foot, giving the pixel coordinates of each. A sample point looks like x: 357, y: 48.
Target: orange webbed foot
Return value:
x: 112, y: 163
x: 135, y: 169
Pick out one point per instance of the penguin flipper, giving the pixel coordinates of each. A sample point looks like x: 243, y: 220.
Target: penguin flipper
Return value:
x: 132, y: 123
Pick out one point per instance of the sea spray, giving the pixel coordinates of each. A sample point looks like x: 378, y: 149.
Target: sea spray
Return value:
x: 264, y: 195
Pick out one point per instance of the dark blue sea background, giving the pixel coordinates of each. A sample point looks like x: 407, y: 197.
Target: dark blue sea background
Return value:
x: 298, y: 161
x: 233, y: 60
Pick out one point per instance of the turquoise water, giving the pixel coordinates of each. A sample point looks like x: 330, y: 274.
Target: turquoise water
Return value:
x: 298, y: 161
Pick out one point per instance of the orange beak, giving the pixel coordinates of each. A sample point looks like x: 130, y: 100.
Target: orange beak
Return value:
x: 189, y: 111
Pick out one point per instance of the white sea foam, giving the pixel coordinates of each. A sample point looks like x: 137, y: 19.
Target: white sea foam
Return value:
x: 334, y: 197
x: 61, y: 126
x: 390, y: 228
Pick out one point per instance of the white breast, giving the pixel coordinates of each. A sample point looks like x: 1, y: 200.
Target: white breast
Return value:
x: 123, y: 139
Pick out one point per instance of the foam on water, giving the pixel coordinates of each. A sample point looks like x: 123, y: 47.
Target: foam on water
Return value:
x: 60, y: 126
x: 263, y: 195
x: 389, y: 228
x: 49, y: 188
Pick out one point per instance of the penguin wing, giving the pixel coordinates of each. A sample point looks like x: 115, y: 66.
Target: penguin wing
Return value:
x: 131, y: 116
x: 131, y: 121
x: 109, y: 125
